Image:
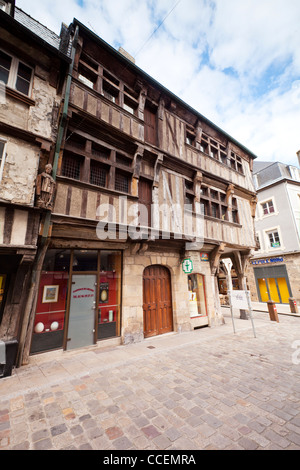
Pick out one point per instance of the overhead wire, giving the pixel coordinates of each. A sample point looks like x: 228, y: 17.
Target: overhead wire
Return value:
x: 138, y: 51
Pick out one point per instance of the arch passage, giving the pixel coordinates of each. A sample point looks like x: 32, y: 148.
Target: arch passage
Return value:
x: 157, y: 301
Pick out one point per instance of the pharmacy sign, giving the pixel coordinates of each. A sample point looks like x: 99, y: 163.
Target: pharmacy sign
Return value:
x: 187, y: 266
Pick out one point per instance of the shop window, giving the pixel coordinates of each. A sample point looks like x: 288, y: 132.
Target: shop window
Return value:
x: 84, y: 260
x: 51, y: 303
x: 109, y: 307
x: 15, y: 74
x: 197, y: 300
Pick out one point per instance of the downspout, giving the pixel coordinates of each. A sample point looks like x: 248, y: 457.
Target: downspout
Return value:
x: 28, y: 318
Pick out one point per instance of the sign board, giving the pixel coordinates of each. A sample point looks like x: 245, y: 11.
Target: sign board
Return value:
x: 195, y: 259
x: 204, y: 257
x: 239, y: 299
x: 187, y: 266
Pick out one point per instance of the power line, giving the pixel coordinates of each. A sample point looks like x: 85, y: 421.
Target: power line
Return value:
x: 168, y: 14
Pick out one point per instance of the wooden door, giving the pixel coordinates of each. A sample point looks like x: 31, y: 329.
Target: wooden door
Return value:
x: 145, y: 198
x: 157, y: 302
x: 150, y: 126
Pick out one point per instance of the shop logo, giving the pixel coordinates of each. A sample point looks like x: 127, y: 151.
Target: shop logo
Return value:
x: 187, y: 266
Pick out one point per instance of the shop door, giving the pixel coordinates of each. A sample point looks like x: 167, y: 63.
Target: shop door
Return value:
x: 81, y: 330
x: 157, y: 301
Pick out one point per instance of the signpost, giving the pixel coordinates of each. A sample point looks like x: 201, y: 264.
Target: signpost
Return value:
x: 240, y: 299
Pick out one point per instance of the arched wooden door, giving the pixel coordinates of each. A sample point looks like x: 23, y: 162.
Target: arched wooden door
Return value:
x: 157, y: 301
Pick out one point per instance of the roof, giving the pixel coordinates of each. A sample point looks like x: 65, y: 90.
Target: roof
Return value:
x: 37, y: 28
x: 131, y: 65
x: 268, y: 173
x: 28, y: 26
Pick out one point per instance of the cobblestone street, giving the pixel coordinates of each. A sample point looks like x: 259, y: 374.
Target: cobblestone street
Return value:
x: 209, y: 389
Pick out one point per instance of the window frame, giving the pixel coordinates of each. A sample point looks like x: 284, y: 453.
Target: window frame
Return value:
x: 266, y: 202
x: 273, y: 231
x: 93, y: 153
x: 13, y: 74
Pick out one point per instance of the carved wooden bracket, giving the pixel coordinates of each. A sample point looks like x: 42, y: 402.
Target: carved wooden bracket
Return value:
x: 215, y: 257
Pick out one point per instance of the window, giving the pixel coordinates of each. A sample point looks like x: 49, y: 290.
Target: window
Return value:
x: 96, y: 163
x: 274, y: 239
x: 236, y: 162
x: 213, y: 203
x: 71, y: 166
x: 15, y: 74
x: 98, y: 174
x: 268, y: 207
x: 121, y: 182
x: 2, y: 157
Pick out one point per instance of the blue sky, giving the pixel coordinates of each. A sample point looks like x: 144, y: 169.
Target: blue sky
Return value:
x: 236, y: 62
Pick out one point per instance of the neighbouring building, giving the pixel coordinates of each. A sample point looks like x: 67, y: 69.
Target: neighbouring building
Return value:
x: 33, y: 64
x: 150, y: 196
x: 275, y: 268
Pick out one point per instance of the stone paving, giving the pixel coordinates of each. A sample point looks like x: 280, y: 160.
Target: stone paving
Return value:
x: 205, y: 390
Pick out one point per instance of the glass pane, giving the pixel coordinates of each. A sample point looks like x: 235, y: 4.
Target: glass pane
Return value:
x: 264, y: 295
x: 109, y: 308
x: 22, y: 86
x: 4, y: 75
x: 24, y: 72
x: 51, y: 302
x: 5, y: 60
x: 82, y: 311
x: 85, y: 260
x: 197, y: 303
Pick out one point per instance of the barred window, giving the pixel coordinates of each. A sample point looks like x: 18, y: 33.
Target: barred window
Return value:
x: 121, y: 182
x: 98, y: 174
x: 71, y: 166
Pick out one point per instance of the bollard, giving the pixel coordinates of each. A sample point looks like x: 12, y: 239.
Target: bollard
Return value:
x: 272, y: 311
x: 293, y: 305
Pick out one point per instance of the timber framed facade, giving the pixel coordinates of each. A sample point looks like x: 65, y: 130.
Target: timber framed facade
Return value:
x: 32, y: 77
x: 143, y: 183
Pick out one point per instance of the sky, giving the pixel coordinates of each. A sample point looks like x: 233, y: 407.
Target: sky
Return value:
x: 237, y: 62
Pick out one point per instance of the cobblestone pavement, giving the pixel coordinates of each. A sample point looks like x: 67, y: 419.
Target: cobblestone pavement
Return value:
x: 208, y: 389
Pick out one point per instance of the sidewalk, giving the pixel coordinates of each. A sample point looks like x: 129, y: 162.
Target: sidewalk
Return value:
x: 205, y: 389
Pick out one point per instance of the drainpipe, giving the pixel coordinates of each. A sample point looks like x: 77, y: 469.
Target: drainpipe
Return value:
x: 28, y: 318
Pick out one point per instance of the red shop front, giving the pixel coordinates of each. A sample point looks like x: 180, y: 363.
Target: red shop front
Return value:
x: 79, y: 299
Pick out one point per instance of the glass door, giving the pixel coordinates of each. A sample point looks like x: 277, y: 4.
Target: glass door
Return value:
x: 81, y: 330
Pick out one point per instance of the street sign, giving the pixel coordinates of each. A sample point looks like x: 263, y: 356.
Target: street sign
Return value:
x: 187, y: 266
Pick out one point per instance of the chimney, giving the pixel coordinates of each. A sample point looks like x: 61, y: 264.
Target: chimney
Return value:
x: 125, y: 54
x: 298, y: 155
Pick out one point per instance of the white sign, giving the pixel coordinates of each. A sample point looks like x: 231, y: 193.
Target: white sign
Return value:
x: 187, y: 266
x: 239, y: 299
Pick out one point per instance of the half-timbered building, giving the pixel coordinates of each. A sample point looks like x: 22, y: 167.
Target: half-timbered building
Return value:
x: 150, y: 197
x: 32, y: 62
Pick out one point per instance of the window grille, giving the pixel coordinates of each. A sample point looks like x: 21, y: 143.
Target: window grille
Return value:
x: 71, y: 167
x: 98, y: 174
x: 121, y: 182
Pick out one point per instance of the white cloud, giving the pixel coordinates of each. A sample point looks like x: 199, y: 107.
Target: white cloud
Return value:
x: 236, y: 62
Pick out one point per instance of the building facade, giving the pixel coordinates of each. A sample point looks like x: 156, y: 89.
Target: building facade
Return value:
x: 150, y: 197
x: 275, y: 273
x: 33, y: 61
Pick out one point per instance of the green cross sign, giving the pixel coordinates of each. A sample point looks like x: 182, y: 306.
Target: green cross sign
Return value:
x: 187, y: 266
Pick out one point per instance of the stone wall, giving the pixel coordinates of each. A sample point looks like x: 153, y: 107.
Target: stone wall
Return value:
x: 20, y: 170
x: 132, y: 307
